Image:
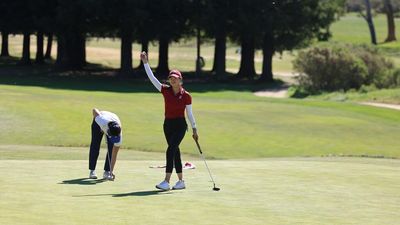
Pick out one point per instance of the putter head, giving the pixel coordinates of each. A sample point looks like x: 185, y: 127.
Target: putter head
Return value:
x: 216, y: 189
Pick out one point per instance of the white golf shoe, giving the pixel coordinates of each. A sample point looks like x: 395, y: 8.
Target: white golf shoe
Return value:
x: 179, y: 185
x: 107, y: 175
x: 164, y: 185
x: 92, y: 174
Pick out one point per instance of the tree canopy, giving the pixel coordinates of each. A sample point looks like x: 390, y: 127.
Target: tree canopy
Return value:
x: 270, y: 25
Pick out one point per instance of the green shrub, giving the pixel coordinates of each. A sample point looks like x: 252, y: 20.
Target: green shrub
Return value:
x: 329, y: 69
x: 396, y: 76
x: 367, y: 88
x: 344, y: 67
x: 380, y: 69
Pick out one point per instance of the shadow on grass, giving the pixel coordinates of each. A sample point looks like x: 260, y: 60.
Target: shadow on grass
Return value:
x: 136, y: 193
x: 142, y: 193
x: 83, y: 181
x: 96, y: 77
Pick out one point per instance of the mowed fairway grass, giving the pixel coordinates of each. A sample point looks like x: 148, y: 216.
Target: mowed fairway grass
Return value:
x: 232, y: 123
x: 39, y: 189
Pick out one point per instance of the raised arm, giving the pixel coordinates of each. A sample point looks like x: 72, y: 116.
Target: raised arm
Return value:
x: 149, y: 73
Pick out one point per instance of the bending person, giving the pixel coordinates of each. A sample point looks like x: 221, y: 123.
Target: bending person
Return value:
x: 109, y: 124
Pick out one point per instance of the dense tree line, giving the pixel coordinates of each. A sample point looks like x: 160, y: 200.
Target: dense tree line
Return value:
x: 270, y: 25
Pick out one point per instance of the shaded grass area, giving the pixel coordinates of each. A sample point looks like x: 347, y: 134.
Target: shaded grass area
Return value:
x: 182, y: 56
x: 280, y: 191
x: 96, y: 78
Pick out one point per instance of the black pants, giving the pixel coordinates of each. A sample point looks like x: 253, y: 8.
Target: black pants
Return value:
x: 174, y: 130
x: 97, y: 135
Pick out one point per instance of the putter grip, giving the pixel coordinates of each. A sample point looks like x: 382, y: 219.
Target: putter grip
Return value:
x: 198, y: 146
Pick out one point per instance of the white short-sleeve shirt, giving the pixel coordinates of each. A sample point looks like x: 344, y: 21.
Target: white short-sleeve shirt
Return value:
x: 104, y: 118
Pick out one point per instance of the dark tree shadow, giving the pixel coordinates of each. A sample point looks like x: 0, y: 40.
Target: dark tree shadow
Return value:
x: 83, y: 181
x: 98, y: 78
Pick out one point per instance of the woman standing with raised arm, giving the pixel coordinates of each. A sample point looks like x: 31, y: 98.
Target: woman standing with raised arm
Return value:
x: 176, y: 100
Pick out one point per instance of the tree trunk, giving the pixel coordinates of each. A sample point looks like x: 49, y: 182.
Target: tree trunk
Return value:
x: 26, y: 54
x: 126, y: 53
x: 219, y: 66
x: 49, y: 45
x: 39, y: 47
x: 79, y: 53
x: 145, y: 48
x: 4, y: 44
x: 162, y: 68
x: 390, y: 19
x: 198, y: 44
x: 268, y: 53
x: 247, y: 68
x: 370, y: 22
x: 61, y: 57
x: 71, y: 51
x: 76, y: 52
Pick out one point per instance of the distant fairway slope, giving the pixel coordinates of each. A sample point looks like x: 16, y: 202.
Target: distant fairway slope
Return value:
x: 232, y: 124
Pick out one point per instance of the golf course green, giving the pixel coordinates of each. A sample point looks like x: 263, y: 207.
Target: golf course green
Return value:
x: 36, y: 190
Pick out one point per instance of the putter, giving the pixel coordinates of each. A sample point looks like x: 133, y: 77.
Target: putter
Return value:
x: 209, y: 172
x: 109, y: 164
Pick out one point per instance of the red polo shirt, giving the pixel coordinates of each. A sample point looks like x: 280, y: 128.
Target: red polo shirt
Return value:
x: 175, y: 104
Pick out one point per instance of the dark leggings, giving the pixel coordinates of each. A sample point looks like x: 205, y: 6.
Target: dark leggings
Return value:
x: 97, y: 135
x: 174, y: 130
